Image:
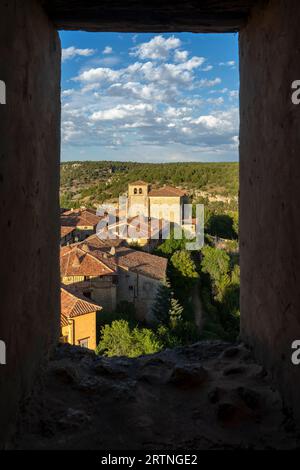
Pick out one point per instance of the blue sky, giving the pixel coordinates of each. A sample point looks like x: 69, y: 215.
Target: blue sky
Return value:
x: 149, y: 97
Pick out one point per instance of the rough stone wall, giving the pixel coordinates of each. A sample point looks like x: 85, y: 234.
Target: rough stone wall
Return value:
x: 29, y: 184
x: 147, y: 290
x: 270, y: 190
x: 143, y: 294
x: 105, y: 294
x: 208, y: 395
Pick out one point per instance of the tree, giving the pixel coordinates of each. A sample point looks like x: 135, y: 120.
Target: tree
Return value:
x: 183, y: 273
x: 115, y: 339
x: 170, y: 245
x: 215, y: 262
x: 162, y: 304
x: 175, y: 313
x: 221, y: 225
x: 118, y: 339
x: 235, y: 218
x: 225, y: 287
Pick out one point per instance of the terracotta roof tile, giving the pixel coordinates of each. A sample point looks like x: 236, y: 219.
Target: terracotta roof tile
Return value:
x: 135, y: 260
x: 65, y: 231
x: 79, y: 218
x: 139, y: 183
x: 73, y: 304
x: 166, y: 191
x: 77, y: 262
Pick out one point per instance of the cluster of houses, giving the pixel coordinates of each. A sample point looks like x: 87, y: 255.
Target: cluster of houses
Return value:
x: 98, y: 273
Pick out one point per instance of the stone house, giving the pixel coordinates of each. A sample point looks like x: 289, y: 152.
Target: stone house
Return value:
x: 84, y: 221
x: 67, y: 235
x: 78, y: 319
x: 108, y: 272
x: 92, y: 277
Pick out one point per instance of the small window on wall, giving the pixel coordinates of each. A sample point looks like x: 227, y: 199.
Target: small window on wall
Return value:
x: 135, y: 191
x: 83, y: 343
x: 140, y: 191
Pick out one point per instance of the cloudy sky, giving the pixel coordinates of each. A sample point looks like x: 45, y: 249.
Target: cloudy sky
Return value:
x: 149, y: 97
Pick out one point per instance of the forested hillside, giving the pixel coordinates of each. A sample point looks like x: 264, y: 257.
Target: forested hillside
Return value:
x: 90, y: 183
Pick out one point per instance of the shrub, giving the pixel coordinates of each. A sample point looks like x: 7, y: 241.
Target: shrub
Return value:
x: 118, y: 339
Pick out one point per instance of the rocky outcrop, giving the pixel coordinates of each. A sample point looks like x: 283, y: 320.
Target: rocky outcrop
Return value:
x: 210, y: 395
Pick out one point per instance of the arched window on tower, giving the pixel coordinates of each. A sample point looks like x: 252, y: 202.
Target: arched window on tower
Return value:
x: 140, y: 191
x: 135, y: 191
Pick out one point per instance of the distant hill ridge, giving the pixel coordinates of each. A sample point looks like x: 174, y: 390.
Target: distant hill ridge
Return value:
x: 89, y: 182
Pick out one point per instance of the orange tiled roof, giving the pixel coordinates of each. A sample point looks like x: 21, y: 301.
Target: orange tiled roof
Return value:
x: 65, y: 231
x: 166, y: 191
x: 139, y: 183
x: 75, y: 261
x: 134, y: 260
x: 79, y: 218
x: 73, y: 305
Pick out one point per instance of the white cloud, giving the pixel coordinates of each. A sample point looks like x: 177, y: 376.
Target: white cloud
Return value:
x: 172, y: 112
x: 229, y: 63
x: 207, y: 68
x: 233, y: 94
x: 68, y: 92
x: 216, y: 101
x: 222, y: 91
x: 107, y: 50
x: 109, y: 61
x: 165, y: 72
x: 180, y: 56
x: 143, y: 91
x: 121, y: 112
x: 209, y: 83
x: 72, y: 52
x: 98, y: 74
x: 164, y: 103
x: 222, y: 121
x: 157, y: 48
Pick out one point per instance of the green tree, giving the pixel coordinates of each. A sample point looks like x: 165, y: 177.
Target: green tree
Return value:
x: 215, y: 262
x: 115, y: 339
x: 222, y: 310
x: 170, y: 245
x: 175, y: 313
x: 162, y: 304
x: 182, y: 274
x: 221, y: 225
x: 118, y: 339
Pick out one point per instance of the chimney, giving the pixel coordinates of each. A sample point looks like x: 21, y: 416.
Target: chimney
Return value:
x: 112, y: 251
x: 76, y: 261
x: 85, y: 247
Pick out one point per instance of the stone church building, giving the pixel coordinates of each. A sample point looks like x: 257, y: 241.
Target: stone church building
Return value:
x: 163, y: 203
